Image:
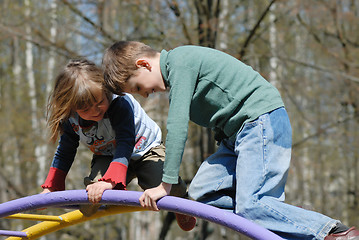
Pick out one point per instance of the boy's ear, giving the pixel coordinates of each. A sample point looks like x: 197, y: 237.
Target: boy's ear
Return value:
x: 143, y: 63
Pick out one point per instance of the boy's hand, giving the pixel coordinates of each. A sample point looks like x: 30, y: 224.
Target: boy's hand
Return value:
x: 95, y: 190
x: 150, y: 196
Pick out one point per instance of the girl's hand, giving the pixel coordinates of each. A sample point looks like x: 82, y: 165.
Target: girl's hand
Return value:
x: 95, y: 190
x: 46, y: 190
x: 150, y: 196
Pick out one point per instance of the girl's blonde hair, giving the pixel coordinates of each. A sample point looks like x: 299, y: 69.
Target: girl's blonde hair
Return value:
x: 119, y: 63
x: 76, y: 87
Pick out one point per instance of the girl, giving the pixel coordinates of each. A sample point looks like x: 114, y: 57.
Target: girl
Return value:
x: 125, y: 142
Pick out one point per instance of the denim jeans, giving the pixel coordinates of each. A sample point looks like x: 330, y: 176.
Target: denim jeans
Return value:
x: 248, y: 176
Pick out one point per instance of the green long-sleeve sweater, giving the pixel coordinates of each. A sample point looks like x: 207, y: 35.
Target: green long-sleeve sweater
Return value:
x: 212, y: 89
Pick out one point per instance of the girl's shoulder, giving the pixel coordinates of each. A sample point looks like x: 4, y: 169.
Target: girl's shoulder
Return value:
x: 118, y: 103
x: 120, y: 106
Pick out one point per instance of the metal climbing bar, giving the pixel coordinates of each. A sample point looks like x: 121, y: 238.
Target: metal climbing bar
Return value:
x: 130, y: 198
x: 13, y: 233
x: 35, y: 217
x: 71, y: 218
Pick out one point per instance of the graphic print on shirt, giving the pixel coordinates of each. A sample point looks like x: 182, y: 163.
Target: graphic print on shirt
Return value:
x: 98, y: 139
x: 106, y: 149
x: 141, y: 143
x: 91, y: 133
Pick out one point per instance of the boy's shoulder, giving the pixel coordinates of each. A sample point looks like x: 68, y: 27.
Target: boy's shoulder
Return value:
x: 191, y: 53
x: 185, y: 49
x: 191, y: 48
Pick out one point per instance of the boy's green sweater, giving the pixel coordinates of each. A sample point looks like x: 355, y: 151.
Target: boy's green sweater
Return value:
x: 214, y: 90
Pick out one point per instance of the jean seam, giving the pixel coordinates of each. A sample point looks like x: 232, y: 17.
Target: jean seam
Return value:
x: 263, y: 177
x: 219, y: 184
x: 325, y: 230
x: 285, y: 218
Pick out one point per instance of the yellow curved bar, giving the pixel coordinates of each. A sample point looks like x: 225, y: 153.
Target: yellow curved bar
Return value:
x: 72, y: 218
x: 35, y: 217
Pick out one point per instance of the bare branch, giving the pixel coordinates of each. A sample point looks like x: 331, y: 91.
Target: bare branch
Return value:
x: 337, y: 36
x: 173, y: 5
x: 7, y: 179
x: 66, y: 52
x: 86, y: 19
x: 321, y: 68
x: 324, y: 130
x: 254, y: 29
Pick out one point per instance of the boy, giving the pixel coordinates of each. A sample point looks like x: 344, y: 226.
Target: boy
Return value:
x: 249, y: 170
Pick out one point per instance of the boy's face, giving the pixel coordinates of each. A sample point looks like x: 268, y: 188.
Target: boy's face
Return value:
x: 96, y: 111
x: 144, y: 82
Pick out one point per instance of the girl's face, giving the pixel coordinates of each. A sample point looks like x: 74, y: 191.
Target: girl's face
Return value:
x: 96, y: 111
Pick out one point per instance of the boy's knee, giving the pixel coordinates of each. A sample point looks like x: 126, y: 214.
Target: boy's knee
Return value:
x: 247, y: 207
x: 193, y: 191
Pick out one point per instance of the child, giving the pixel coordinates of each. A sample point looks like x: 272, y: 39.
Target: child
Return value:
x: 249, y: 170
x: 125, y: 142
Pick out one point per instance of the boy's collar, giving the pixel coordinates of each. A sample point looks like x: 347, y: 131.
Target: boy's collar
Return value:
x: 164, y: 72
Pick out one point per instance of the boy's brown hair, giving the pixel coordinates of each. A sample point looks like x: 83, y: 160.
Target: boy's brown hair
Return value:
x: 119, y: 63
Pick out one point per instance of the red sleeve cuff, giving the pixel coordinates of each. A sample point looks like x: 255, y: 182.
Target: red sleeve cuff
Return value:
x: 116, y: 173
x: 55, y: 179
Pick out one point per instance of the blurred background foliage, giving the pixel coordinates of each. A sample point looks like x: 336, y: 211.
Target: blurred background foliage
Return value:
x: 308, y: 49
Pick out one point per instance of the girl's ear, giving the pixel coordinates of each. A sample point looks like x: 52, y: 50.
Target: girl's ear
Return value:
x: 143, y: 63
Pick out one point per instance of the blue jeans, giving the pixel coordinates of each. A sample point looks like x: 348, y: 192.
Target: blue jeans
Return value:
x: 248, y: 176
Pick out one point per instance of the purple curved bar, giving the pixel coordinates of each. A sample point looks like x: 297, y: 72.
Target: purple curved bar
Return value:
x: 12, y: 233
x: 130, y: 198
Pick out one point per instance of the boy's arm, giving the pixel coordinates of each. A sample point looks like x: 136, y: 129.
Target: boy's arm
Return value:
x: 63, y: 159
x: 181, y: 92
x: 122, y: 121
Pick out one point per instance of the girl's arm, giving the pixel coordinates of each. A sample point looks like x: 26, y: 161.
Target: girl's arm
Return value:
x: 63, y: 159
x: 122, y: 121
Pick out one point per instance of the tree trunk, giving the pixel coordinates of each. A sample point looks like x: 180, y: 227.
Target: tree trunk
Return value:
x: 41, y: 149
x: 273, y: 61
x: 29, y: 59
x: 222, y: 43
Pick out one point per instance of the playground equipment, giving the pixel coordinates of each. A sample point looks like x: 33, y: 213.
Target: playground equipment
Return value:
x: 119, y: 202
